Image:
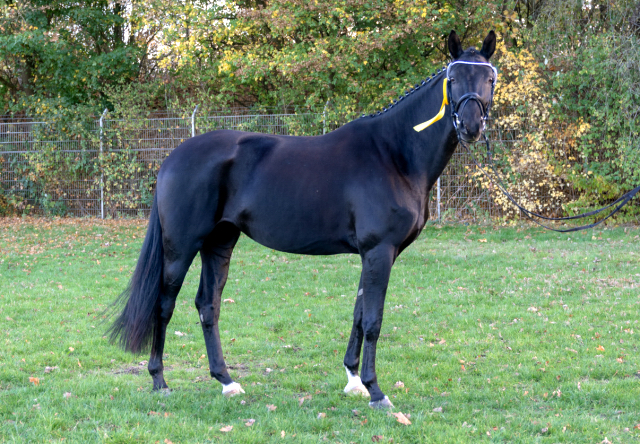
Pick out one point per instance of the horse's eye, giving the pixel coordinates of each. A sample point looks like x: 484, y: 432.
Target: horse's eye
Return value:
x: 452, y: 80
x: 490, y: 80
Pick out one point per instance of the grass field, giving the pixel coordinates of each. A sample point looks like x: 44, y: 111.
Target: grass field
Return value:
x: 498, y: 335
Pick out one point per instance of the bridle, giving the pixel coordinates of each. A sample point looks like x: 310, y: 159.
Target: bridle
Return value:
x: 456, y: 109
x: 458, y: 106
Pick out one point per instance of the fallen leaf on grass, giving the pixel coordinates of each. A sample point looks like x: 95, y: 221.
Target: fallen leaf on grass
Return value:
x: 229, y: 300
x: 66, y: 395
x: 401, y: 418
x: 226, y: 429
x: 35, y: 381
x: 282, y: 434
x: 271, y: 407
x: 301, y: 400
x: 600, y: 348
x: 50, y: 369
x: 250, y: 422
x: 322, y: 415
x: 399, y: 385
x: 179, y: 333
x: 437, y: 410
x: 376, y: 438
x: 637, y: 426
x: 168, y: 441
x: 482, y: 240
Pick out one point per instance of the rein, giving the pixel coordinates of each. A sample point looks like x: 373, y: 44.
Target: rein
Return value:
x: 456, y: 110
x: 620, y: 202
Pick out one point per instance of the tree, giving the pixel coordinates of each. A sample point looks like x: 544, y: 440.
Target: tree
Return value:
x: 68, y: 49
x: 355, y: 54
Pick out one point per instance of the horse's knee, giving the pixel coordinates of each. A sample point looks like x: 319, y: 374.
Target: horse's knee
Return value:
x: 371, y: 330
x: 207, y: 319
x: 209, y: 315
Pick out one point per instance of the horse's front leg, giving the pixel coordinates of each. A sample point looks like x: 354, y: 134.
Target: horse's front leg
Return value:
x: 352, y: 356
x: 376, y: 268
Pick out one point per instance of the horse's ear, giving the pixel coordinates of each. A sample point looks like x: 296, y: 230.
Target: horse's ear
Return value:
x: 489, y: 45
x: 455, y: 47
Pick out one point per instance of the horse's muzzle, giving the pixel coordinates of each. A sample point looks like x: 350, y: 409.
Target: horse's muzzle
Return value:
x: 470, y: 120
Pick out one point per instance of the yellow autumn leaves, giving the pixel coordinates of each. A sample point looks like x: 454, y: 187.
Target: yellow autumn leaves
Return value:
x: 534, y: 147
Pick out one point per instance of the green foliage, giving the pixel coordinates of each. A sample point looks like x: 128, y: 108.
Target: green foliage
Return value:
x: 592, y: 57
x: 359, y: 55
x: 63, y: 49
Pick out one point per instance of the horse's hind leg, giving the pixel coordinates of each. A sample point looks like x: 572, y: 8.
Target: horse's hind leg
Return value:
x: 175, y: 268
x: 216, y: 255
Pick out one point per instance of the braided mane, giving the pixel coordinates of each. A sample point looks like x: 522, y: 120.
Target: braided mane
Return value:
x: 406, y: 94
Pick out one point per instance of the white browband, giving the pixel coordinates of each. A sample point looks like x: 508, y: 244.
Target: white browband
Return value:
x: 495, y: 71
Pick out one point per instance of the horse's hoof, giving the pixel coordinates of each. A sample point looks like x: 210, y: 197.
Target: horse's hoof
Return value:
x: 356, y: 389
x: 355, y: 386
x: 382, y: 404
x: 232, y: 389
x: 162, y: 391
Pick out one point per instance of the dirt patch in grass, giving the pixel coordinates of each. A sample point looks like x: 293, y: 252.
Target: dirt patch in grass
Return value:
x: 241, y: 370
x: 133, y: 370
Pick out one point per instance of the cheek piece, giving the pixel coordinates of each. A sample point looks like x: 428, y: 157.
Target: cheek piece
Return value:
x: 458, y: 107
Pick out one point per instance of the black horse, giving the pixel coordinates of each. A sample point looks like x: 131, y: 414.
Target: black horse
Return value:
x: 362, y: 188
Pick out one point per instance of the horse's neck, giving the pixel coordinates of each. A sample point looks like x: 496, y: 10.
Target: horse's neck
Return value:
x: 423, y: 155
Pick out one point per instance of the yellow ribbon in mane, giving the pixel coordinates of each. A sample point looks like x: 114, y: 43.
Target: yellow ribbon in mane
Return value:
x: 445, y: 102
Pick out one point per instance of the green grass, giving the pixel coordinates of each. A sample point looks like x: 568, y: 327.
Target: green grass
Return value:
x: 529, y: 336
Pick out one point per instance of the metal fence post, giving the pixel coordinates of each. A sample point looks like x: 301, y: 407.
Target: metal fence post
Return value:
x: 324, y: 117
x: 438, y: 188
x: 193, y: 122
x: 104, y: 113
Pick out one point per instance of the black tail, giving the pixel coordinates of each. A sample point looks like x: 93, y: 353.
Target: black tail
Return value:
x: 134, y: 327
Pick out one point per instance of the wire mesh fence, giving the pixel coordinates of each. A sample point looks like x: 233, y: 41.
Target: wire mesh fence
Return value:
x: 110, y: 170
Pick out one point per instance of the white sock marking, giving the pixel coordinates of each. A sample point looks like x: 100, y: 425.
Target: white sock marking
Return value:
x: 232, y: 389
x: 354, y: 384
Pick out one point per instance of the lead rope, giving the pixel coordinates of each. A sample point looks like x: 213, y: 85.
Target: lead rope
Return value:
x: 621, y: 201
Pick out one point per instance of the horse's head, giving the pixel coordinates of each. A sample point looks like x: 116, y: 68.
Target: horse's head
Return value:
x: 471, y: 81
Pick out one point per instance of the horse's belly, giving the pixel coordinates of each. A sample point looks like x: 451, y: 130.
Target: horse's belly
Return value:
x: 310, y: 227
x: 308, y: 245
